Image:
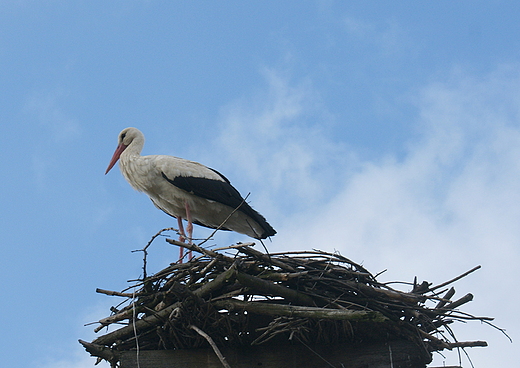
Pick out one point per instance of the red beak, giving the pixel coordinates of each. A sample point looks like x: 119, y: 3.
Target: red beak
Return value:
x: 117, y: 153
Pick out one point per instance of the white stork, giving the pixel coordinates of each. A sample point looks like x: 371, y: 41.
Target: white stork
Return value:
x: 186, y: 190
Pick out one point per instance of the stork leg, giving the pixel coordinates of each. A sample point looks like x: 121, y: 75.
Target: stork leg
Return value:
x: 182, y: 238
x: 189, y: 228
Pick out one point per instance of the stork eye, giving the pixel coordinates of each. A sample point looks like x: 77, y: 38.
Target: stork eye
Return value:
x: 123, y: 136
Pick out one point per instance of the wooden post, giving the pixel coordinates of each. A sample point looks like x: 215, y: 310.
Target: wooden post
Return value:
x: 396, y: 354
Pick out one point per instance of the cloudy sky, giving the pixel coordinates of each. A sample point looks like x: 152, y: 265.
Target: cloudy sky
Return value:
x: 387, y: 131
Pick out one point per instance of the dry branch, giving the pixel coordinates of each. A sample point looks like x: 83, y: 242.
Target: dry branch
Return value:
x: 157, y: 318
x: 114, y: 293
x: 214, y: 346
x: 263, y: 287
x: 456, y: 278
x: 101, y: 351
x: 270, y: 309
x: 468, y: 344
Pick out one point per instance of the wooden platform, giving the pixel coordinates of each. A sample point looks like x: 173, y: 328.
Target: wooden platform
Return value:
x: 396, y: 354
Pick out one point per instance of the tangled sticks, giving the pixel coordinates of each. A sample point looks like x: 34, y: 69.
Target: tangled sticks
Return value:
x: 252, y: 298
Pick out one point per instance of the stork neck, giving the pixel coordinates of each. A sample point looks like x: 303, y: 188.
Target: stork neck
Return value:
x: 134, y: 148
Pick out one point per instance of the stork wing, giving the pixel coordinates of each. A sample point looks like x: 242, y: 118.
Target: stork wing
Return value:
x: 214, y: 190
x: 209, y: 184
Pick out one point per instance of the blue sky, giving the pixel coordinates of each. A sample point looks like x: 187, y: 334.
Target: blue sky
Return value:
x: 387, y: 131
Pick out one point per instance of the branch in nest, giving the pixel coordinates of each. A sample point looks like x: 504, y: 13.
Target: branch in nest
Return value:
x: 214, y: 346
x: 201, y: 250
x: 298, y: 311
x: 456, y: 278
x: 265, y: 258
x: 446, y: 298
x: 269, y: 288
x: 126, y: 314
x: 468, y: 344
x: 466, y: 298
x: 114, y: 293
x: 153, y: 320
x: 101, y: 351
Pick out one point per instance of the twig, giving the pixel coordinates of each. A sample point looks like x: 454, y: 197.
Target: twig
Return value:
x: 113, y: 319
x: 468, y: 344
x: 456, y: 278
x: 235, y: 246
x: 114, y: 293
x: 265, y: 258
x: 224, y: 222
x: 145, y: 251
x: 198, y: 249
x: 214, y: 346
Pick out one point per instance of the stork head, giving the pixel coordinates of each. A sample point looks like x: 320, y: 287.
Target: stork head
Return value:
x: 125, y: 139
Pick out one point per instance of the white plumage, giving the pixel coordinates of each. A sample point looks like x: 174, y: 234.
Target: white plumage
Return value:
x: 186, y: 189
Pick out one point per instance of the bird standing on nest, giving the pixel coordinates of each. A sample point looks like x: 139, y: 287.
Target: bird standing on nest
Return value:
x: 187, y: 190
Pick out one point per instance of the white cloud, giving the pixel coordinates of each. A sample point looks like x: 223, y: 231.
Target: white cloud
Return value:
x: 72, y: 354
x: 451, y: 203
x: 279, y: 140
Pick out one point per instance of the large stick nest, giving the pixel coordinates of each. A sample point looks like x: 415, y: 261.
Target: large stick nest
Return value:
x: 240, y: 296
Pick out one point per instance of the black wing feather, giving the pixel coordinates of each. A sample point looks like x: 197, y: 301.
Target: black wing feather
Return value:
x: 222, y: 192
x: 214, y: 190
